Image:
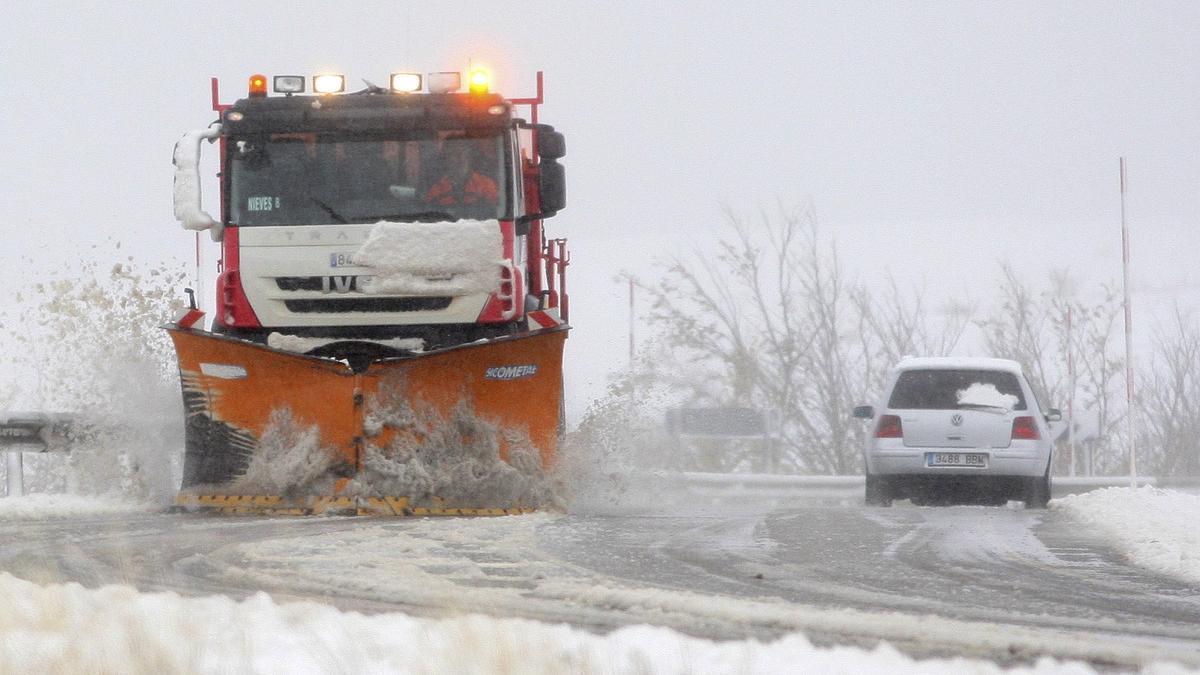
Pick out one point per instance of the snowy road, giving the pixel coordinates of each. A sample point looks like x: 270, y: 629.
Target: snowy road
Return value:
x: 996, y: 583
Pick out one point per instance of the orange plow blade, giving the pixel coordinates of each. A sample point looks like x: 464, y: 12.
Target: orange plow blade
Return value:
x: 467, y: 430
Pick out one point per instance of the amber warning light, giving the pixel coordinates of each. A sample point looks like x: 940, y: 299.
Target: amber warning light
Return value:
x: 479, y: 81
x: 258, y: 85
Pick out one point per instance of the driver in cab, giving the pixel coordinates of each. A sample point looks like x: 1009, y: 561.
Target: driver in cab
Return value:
x: 461, y: 184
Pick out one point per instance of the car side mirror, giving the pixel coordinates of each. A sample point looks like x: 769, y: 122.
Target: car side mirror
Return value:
x: 864, y: 412
x: 1053, y: 414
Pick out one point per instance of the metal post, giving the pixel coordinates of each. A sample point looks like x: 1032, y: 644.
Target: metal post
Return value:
x: 1129, y: 414
x: 631, y: 343
x: 15, y: 480
x: 199, y: 274
x: 1071, y: 397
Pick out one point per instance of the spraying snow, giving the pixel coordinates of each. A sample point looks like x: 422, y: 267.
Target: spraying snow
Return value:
x: 618, y: 460
x: 460, y: 258
x: 95, y: 349
x: 289, y: 460
x: 458, y: 459
x: 411, y: 452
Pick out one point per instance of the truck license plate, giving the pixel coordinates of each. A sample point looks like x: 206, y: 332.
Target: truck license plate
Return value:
x: 973, y: 459
x: 342, y: 260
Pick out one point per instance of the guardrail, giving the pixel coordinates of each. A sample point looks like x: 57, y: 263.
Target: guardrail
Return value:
x: 22, y: 432
x: 767, y: 486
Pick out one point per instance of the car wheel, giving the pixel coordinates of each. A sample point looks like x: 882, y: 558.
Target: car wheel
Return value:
x: 1037, y: 491
x: 878, y: 492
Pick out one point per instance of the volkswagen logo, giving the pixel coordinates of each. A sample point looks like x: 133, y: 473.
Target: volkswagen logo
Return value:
x: 956, y: 420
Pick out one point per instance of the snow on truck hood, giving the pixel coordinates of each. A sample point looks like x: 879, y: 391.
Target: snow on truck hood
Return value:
x: 414, y: 257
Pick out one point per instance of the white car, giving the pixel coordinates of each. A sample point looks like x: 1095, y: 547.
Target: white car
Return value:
x: 958, y: 430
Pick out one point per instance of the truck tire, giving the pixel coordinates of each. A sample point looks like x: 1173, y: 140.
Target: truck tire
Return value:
x: 878, y: 492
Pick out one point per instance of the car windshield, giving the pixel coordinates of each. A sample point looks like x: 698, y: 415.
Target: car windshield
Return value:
x: 316, y: 179
x: 943, y: 389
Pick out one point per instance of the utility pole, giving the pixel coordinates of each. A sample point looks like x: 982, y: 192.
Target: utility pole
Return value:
x: 632, y: 352
x: 1130, y: 412
x: 1071, y: 396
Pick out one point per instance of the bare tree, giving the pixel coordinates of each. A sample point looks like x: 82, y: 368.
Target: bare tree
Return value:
x: 771, y: 322
x: 1032, y: 328
x: 1169, y: 396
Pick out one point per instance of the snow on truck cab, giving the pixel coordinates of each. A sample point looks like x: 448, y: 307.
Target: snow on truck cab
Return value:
x: 411, y: 211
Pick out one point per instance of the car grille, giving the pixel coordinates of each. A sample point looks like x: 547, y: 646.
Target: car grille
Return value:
x: 343, y: 305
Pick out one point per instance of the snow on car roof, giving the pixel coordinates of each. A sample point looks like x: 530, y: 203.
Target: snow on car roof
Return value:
x: 958, y: 362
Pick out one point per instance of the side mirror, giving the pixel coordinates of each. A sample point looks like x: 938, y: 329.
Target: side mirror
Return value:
x: 864, y: 412
x: 186, y: 159
x: 1053, y: 414
x: 551, y: 144
x: 552, y: 184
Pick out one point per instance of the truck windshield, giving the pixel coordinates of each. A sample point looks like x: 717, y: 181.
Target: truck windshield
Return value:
x: 315, y: 178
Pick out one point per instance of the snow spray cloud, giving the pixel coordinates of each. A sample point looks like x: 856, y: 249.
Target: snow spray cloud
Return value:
x: 92, y: 346
x: 411, y: 451
x: 620, y: 458
x: 289, y: 460
x: 458, y: 459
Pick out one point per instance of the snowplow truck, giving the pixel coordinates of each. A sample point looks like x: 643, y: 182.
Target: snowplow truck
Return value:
x: 390, y: 316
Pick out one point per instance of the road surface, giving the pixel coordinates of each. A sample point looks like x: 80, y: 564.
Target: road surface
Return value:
x: 1001, y: 583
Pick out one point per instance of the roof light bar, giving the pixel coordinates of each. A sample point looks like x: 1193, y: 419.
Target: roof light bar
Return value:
x: 289, y: 84
x: 444, y: 83
x: 406, y: 82
x: 329, y: 83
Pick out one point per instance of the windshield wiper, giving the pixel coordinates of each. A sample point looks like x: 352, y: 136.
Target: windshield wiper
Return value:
x: 328, y: 209
x: 421, y: 216
x: 984, y: 407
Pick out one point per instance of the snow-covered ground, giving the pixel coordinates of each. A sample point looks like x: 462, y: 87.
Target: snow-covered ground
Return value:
x: 1155, y: 529
x: 61, y: 506
x: 66, y: 628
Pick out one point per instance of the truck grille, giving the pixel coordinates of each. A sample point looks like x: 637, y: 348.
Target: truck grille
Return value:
x: 343, y: 305
x: 298, y: 283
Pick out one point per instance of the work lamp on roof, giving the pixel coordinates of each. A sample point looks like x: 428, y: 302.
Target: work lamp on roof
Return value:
x: 406, y: 82
x: 329, y: 83
x: 289, y: 84
x: 444, y: 83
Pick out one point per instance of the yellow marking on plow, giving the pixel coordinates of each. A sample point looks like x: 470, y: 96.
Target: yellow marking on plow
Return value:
x: 277, y: 505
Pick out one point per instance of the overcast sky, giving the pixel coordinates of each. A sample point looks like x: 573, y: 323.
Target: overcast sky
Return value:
x: 934, y: 138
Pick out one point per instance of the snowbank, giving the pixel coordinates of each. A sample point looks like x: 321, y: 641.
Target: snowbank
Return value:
x: 1153, y: 528
x: 51, y: 506
x: 460, y: 258
x: 67, y: 628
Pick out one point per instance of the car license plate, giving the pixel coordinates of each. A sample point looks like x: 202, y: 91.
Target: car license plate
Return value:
x: 972, y: 459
